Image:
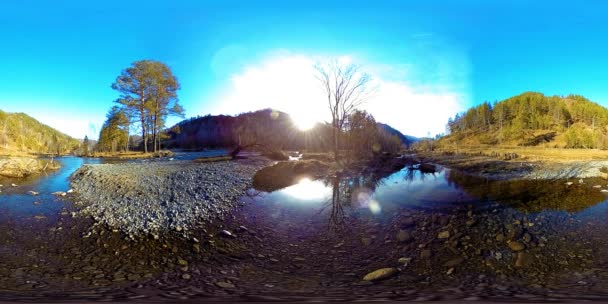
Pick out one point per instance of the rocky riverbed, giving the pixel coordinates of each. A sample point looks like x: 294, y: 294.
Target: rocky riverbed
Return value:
x: 368, y: 237
x: 157, y: 198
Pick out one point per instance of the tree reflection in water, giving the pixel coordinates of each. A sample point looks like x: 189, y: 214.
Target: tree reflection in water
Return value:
x: 528, y: 195
x: 357, y: 192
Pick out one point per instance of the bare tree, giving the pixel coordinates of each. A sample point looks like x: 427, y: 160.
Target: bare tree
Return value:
x: 346, y: 88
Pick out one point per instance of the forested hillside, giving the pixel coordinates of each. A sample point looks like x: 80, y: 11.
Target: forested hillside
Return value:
x: 268, y: 129
x: 265, y: 128
x: 22, y: 133
x: 532, y: 119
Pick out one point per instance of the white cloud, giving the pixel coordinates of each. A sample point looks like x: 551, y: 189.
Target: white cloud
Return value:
x: 286, y: 82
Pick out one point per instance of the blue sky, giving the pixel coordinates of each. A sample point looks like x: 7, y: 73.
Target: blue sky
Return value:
x: 429, y: 58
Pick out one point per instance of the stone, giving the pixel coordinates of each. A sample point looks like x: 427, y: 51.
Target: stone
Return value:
x: 380, y: 274
x: 186, y: 276
x: 226, y: 285
x: 443, y: 235
x: 182, y: 262
x: 516, y: 246
x: 425, y: 254
x: 227, y: 233
x: 500, y: 237
x: 522, y: 259
x: 404, y: 236
x: 454, y: 262
x: 404, y: 261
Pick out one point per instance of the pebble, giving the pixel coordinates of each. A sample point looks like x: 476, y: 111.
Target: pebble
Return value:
x: 380, y: 274
x: 425, y: 254
x: 516, y: 246
x: 443, y: 235
x: 404, y: 236
x: 227, y: 233
x: 226, y: 285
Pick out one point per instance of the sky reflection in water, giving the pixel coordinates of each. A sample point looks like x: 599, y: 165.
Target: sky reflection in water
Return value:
x: 413, y: 189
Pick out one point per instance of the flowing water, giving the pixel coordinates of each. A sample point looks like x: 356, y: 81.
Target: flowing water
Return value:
x: 446, y: 235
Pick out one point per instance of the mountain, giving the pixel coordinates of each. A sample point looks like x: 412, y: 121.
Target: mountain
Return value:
x: 268, y: 128
x: 407, y: 140
x: 532, y: 119
x: 265, y: 127
x: 22, y: 133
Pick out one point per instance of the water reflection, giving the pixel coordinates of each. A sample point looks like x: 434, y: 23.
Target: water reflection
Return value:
x: 380, y: 195
x: 531, y: 195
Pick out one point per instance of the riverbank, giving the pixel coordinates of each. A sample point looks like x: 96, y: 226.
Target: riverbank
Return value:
x: 164, y: 197
x: 132, y: 155
x: 521, y: 163
x: 19, y: 167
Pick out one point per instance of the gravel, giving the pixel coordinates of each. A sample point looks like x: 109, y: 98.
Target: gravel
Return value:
x: 161, y: 197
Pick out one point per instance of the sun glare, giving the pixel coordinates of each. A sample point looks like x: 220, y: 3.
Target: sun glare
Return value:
x: 308, y: 190
x: 303, y: 122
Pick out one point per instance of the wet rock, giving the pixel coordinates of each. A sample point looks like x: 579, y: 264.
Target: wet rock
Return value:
x: 500, y: 237
x: 470, y: 222
x: 33, y: 193
x: 380, y: 274
x: 404, y: 261
x: 425, y: 254
x: 187, y: 276
x: 516, y: 246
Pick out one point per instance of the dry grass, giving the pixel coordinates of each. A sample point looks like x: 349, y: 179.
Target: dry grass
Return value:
x: 555, y: 155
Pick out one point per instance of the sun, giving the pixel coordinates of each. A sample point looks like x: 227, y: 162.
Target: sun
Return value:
x: 303, y: 121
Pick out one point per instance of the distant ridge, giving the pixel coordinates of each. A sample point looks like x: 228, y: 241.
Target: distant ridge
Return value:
x: 407, y: 140
x: 266, y: 126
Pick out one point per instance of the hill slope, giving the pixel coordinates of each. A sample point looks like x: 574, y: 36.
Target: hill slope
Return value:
x: 266, y: 127
x: 532, y: 119
x: 22, y: 133
x: 407, y: 140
